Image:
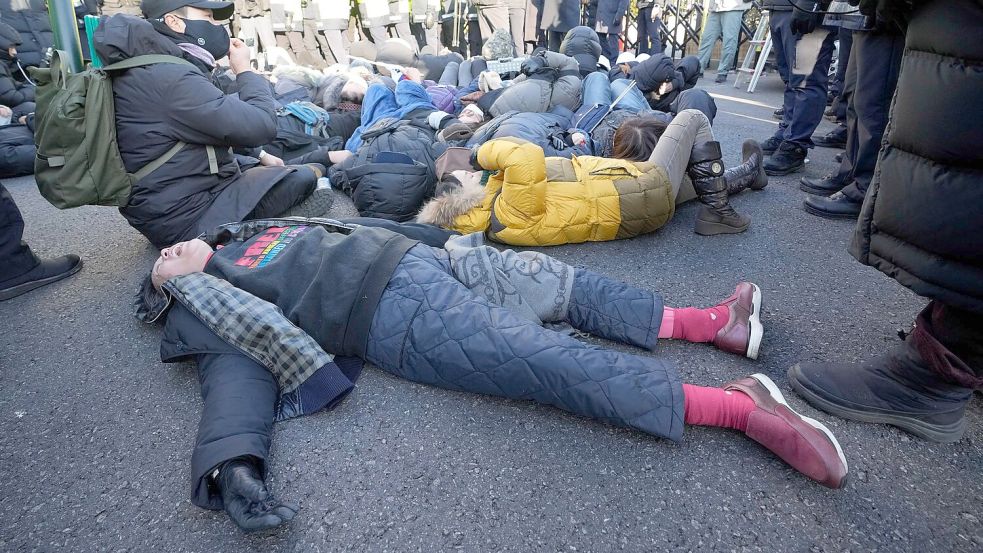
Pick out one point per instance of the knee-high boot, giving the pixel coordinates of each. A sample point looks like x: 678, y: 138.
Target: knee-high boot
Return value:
x: 716, y: 216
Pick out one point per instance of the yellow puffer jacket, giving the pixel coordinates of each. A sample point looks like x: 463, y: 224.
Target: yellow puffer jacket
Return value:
x: 534, y: 200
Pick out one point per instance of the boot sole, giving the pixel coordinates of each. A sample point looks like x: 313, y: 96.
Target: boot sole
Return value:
x: 827, y: 214
x: 776, y: 394
x: 945, y: 434
x: 15, y: 291
x: 709, y: 228
x: 782, y: 172
x: 818, y: 191
x: 757, y: 330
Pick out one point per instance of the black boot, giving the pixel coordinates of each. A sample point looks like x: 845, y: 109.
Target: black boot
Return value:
x: 788, y: 158
x: 716, y: 216
x: 896, y: 388
x: 46, y: 272
x: 749, y: 174
x: 246, y: 499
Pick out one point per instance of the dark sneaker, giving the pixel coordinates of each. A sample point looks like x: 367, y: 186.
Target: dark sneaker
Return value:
x: 838, y: 157
x: 837, y: 206
x: 769, y: 146
x: 48, y: 271
x: 895, y: 388
x: 779, y: 113
x: 743, y: 332
x: 788, y: 158
x: 825, y: 186
x: 833, y: 139
x: 721, y: 78
x: 804, y: 443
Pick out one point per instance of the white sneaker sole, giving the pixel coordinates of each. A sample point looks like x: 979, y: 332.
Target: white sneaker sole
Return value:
x: 777, y: 395
x: 757, y: 331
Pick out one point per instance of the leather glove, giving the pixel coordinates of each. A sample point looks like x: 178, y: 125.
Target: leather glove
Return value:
x: 533, y: 65
x: 804, y: 22
x: 246, y: 499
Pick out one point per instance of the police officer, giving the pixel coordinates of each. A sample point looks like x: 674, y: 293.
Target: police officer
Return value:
x: 424, y: 23
x: 374, y: 15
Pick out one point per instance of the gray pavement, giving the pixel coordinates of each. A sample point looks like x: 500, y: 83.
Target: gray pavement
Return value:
x: 96, y: 433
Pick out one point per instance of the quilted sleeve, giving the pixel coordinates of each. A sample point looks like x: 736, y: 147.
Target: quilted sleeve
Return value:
x: 523, y: 167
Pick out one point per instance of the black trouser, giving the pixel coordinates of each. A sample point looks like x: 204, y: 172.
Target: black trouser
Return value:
x: 875, y: 64
x: 16, y: 258
x: 17, y: 151
x: 290, y: 191
x: 553, y: 40
x: 838, y: 83
x: 950, y: 342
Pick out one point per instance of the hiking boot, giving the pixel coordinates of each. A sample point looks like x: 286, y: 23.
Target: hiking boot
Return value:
x: 833, y: 139
x: 721, y: 78
x: 804, y: 443
x: 46, y: 272
x: 788, y: 158
x: 779, y: 113
x: 743, y: 332
x: 825, y: 186
x: 837, y: 206
x: 706, y: 170
x: 749, y: 174
x: 896, y: 388
x: 769, y: 146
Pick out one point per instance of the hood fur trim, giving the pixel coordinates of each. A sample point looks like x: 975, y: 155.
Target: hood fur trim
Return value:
x: 444, y: 209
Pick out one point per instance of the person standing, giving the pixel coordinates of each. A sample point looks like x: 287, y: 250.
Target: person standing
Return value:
x: 723, y: 22
x: 558, y: 17
x: 334, y: 19
x: 803, y: 51
x: 649, y: 24
x: 517, y: 22
x: 492, y: 14
x: 424, y: 23
x: 607, y: 19
x: 254, y: 25
x: 922, y: 225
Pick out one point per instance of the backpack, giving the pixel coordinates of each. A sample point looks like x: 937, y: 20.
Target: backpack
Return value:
x: 78, y: 160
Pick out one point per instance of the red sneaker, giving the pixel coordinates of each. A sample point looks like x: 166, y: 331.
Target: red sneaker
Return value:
x: 743, y: 331
x: 802, y: 442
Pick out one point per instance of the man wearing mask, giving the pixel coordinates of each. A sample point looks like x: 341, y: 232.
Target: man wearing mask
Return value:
x: 173, y: 111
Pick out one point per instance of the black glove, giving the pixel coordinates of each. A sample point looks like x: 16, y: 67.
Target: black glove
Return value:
x: 246, y: 499
x: 804, y: 22
x: 533, y: 65
x: 474, y: 158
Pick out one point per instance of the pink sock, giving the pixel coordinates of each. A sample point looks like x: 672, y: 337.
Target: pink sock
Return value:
x: 716, y: 407
x: 692, y: 324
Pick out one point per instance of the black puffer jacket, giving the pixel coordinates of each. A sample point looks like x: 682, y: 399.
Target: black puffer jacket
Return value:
x: 30, y: 19
x: 658, y: 69
x: 12, y: 92
x: 159, y: 105
x: 922, y: 220
x: 582, y: 44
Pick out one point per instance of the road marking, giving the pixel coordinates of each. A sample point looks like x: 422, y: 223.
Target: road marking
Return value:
x: 742, y: 101
x: 770, y: 121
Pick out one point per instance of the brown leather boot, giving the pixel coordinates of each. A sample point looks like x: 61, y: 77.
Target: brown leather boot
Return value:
x: 743, y: 332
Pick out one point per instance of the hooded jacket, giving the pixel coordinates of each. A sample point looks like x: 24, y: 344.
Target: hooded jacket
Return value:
x: 159, y: 105
x: 582, y: 44
x: 559, y: 85
x: 549, y: 131
x: 533, y: 200
x: 651, y: 73
x: 921, y: 222
x: 30, y: 19
x: 12, y: 92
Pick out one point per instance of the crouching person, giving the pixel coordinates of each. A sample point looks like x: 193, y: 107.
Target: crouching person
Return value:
x: 173, y: 112
x: 263, y: 314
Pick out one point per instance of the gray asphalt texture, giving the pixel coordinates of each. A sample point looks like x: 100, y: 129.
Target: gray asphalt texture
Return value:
x: 96, y: 433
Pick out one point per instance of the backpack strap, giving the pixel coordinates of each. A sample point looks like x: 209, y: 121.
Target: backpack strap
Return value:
x: 171, y: 152
x: 147, y: 59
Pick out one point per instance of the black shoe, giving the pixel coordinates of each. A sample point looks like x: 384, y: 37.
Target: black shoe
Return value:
x: 48, y: 271
x: 779, y: 113
x: 716, y: 216
x: 788, y: 158
x: 896, y: 388
x: 825, y: 186
x: 832, y: 139
x: 246, y: 499
x: 838, y: 157
x: 749, y: 174
x: 721, y: 78
x: 769, y: 146
x: 837, y: 206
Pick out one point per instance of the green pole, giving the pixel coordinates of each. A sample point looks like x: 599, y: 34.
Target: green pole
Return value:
x: 66, y: 31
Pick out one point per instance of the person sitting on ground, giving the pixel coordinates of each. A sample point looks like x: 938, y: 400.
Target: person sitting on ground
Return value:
x: 661, y: 80
x: 548, y: 79
x: 436, y: 316
x: 13, y: 92
x: 17, y: 149
x: 553, y: 131
x: 168, y: 107
x: 532, y: 200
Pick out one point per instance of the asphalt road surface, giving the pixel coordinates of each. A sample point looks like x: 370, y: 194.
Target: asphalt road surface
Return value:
x: 96, y: 433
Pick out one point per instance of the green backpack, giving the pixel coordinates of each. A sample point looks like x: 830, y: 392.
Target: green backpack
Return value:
x: 78, y: 161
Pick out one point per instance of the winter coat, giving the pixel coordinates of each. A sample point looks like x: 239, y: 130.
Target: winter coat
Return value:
x: 651, y: 73
x: 161, y: 104
x: 610, y: 15
x: 549, y: 131
x: 17, y: 151
x: 533, y: 200
x: 541, y: 93
x: 728, y: 5
x: 922, y: 221
x: 30, y: 19
x: 559, y: 15
x: 582, y: 44
x: 12, y: 92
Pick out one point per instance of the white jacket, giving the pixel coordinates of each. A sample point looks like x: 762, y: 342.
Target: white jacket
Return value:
x: 727, y: 5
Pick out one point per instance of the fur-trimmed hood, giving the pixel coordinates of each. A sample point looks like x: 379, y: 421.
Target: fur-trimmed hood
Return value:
x: 444, y: 209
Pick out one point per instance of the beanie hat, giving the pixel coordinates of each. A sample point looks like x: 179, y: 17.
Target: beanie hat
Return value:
x: 329, y: 90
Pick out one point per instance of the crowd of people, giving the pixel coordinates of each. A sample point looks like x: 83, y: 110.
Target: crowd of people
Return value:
x: 447, y: 134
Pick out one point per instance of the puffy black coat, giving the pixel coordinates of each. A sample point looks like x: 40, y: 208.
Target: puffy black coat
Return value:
x: 547, y: 130
x: 582, y: 44
x: 559, y: 15
x: 159, y: 105
x: 12, y: 92
x: 651, y: 73
x: 922, y: 220
x: 30, y: 19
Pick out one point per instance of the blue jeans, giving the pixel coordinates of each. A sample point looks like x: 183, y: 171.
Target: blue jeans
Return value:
x: 599, y: 90
x: 727, y: 27
x: 803, y: 63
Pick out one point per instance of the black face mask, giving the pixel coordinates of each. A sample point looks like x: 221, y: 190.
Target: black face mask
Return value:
x: 212, y: 38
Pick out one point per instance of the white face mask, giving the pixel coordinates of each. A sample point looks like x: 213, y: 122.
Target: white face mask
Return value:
x: 4, y: 120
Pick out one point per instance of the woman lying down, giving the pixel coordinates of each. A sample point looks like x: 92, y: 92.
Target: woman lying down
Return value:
x: 280, y: 314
